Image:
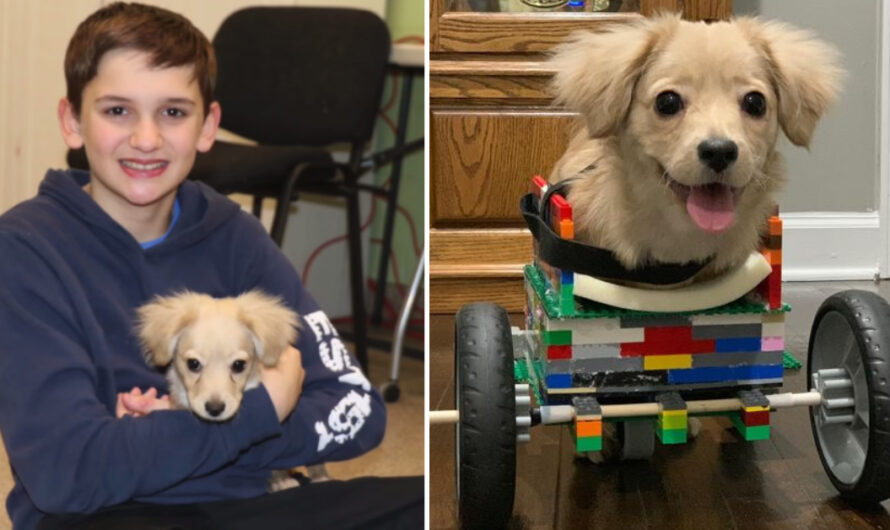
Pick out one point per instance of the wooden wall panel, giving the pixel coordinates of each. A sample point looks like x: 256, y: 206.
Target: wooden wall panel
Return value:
x: 481, y: 161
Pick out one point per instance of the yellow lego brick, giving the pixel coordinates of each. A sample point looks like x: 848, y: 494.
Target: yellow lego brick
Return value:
x: 756, y: 409
x: 667, y: 362
x: 672, y: 423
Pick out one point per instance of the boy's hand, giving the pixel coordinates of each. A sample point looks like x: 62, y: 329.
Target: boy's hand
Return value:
x: 135, y: 403
x: 284, y: 381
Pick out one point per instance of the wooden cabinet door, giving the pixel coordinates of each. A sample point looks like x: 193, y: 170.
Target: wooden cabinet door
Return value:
x: 493, y: 127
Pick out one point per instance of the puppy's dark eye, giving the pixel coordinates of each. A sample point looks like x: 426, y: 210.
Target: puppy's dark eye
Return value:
x: 754, y: 103
x: 194, y: 365
x: 238, y: 366
x: 668, y: 103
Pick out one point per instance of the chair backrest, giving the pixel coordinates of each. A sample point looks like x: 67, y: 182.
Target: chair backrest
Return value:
x: 301, y: 75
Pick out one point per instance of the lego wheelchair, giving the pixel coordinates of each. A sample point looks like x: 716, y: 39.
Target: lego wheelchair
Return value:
x: 647, y: 360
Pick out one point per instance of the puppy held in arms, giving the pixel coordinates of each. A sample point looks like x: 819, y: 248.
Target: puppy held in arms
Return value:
x: 212, y: 349
x: 677, y: 159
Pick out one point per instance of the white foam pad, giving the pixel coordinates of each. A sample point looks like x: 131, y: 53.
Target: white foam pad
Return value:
x: 694, y: 297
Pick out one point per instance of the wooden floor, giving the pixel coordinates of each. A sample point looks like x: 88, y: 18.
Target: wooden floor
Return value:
x: 715, y: 481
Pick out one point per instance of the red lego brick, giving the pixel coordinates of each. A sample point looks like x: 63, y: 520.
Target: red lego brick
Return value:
x: 559, y: 352
x: 559, y: 209
x: 538, y: 184
x: 667, y: 341
x: 754, y: 419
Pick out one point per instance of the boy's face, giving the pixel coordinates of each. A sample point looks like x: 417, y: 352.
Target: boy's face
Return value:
x: 141, y: 127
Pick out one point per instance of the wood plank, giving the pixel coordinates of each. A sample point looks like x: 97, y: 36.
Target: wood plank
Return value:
x: 515, y: 32
x: 505, y: 246
x: 481, y: 161
x: 447, y: 295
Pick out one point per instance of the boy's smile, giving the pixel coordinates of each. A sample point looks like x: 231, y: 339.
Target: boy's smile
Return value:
x: 141, y: 127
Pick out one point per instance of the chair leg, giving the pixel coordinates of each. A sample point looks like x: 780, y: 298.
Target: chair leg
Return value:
x: 257, y: 206
x: 359, y: 312
x: 282, y: 206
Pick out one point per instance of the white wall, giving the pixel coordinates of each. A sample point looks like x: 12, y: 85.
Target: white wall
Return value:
x: 833, y: 226
x: 33, y: 37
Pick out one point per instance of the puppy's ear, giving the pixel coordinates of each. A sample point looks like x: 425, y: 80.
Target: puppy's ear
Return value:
x: 806, y: 74
x: 596, y: 72
x: 272, y: 326
x: 160, y: 323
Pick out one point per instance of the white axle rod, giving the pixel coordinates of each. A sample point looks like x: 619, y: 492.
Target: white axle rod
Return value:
x: 566, y: 413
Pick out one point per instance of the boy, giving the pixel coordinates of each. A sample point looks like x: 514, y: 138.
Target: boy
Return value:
x: 77, y: 260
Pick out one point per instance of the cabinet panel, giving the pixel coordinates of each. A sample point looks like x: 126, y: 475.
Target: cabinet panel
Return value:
x: 481, y: 161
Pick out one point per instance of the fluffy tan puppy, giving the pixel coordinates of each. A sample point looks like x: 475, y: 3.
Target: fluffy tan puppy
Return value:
x: 213, y: 347
x: 677, y: 158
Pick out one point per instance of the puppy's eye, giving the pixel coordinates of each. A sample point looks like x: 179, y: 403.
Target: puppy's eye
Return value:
x: 754, y: 103
x: 193, y: 365
x: 238, y: 366
x: 668, y: 103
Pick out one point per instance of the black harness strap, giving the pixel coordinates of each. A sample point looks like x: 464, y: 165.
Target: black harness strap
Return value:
x: 592, y: 261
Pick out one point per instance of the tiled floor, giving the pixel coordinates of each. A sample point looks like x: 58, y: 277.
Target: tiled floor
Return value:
x: 400, y: 454
x: 716, y: 481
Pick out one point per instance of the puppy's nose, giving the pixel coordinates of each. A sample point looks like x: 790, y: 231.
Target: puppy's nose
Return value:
x: 214, y: 408
x: 718, y: 153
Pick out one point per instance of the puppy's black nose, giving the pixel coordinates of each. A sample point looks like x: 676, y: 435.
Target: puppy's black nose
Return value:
x: 214, y: 408
x: 718, y: 153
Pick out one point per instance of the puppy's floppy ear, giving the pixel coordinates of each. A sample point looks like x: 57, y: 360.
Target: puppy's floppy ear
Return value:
x: 596, y: 72
x: 160, y: 323
x: 806, y: 74
x: 273, y: 327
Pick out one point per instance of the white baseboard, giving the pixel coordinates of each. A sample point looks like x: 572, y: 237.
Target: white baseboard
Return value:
x: 831, y: 246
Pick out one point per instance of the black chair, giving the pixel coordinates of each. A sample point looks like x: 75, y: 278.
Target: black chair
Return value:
x: 297, y: 80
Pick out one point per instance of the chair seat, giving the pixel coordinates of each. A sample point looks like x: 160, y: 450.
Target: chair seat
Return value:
x: 257, y: 169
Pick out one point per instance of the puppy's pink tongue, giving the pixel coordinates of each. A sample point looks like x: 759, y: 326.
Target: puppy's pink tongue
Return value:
x: 711, y: 207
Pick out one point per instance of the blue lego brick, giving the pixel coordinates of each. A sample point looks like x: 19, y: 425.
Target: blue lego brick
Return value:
x: 566, y: 277
x: 733, y: 345
x: 724, y: 373
x: 559, y: 380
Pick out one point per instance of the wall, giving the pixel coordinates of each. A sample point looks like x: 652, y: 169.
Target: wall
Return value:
x: 840, y: 171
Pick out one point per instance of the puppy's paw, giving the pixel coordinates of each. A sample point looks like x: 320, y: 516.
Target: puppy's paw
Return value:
x: 281, y: 480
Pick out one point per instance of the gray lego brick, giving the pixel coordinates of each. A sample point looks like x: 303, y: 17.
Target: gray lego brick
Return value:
x: 655, y: 321
x: 734, y: 359
x: 726, y: 331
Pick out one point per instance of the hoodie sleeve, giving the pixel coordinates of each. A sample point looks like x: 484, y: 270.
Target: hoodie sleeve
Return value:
x: 339, y: 414
x: 64, y: 443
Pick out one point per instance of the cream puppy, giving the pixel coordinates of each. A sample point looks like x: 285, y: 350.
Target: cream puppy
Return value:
x: 677, y: 158
x: 213, y: 348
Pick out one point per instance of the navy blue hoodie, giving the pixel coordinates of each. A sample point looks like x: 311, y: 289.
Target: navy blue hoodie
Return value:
x: 70, y: 279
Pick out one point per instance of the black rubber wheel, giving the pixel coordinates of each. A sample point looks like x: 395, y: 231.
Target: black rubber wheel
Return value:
x: 851, y: 337
x: 391, y: 392
x: 485, y: 444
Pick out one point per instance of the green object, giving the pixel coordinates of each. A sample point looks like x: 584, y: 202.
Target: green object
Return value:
x: 671, y: 436
x: 559, y: 337
x: 594, y: 443
x: 790, y: 362
x: 750, y: 434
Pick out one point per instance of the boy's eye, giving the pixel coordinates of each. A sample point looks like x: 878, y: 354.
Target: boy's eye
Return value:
x: 116, y: 111
x: 174, y: 113
x: 238, y: 366
x: 193, y: 365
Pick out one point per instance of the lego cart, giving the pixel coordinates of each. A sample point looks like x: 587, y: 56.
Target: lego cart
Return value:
x: 649, y: 360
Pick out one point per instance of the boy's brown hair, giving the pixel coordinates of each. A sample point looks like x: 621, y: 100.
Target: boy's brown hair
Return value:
x: 167, y: 37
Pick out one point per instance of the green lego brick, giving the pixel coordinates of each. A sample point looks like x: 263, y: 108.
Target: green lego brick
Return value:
x: 789, y: 362
x: 583, y: 308
x: 671, y: 436
x: 566, y: 301
x: 558, y: 337
x: 750, y: 434
x: 594, y: 443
